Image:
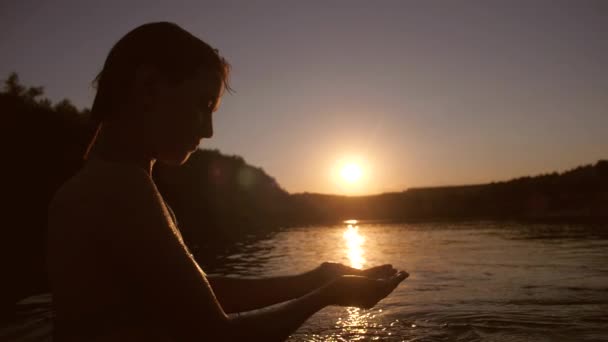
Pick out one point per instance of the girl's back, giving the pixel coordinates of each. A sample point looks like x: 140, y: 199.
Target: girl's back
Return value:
x: 82, y: 266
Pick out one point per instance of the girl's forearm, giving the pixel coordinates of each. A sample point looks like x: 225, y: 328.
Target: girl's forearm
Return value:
x: 237, y: 294
x: 278, y: 322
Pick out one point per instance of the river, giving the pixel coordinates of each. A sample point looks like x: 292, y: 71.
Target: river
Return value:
x: 482, y: 281
x: 478, y: 281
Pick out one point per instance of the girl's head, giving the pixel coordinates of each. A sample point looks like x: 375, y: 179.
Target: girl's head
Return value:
x: 161, y: 84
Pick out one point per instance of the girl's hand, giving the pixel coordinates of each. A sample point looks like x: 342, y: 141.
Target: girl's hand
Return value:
x: 361, y: 292
x: 329, y: 271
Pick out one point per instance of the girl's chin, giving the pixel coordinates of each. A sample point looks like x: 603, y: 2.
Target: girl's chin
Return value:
x: 177, y: 159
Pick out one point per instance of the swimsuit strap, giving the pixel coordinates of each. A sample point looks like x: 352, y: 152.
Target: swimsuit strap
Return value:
x: 171, y: 212
x: 178, y: 231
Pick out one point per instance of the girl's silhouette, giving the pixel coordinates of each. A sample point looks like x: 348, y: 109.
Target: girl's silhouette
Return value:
x: 118, y: 267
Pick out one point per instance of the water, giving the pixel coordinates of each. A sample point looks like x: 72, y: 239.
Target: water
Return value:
x: 468, y: 281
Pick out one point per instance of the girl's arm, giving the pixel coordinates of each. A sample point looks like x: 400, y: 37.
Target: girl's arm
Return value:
x: 174, y: 293
x: 239, y: 294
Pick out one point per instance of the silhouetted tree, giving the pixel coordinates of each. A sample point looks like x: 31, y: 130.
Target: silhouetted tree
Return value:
x: 12, y: 86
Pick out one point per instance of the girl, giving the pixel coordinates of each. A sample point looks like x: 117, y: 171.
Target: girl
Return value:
x: 118, y: 266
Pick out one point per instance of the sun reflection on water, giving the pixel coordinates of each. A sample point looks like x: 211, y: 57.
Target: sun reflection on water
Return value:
x: 354, y: 242
x: 355, y: 322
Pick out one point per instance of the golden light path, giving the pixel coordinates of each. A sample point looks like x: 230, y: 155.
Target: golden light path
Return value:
x: 354, y: 242
x: 355, y: 323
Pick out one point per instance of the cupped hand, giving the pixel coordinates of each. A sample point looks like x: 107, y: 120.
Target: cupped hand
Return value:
x: 379, y: 272
x: 362, y: 292
x: 329, y: 271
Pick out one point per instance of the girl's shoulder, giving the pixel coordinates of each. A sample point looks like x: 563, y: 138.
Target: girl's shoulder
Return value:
x: 98, y: 186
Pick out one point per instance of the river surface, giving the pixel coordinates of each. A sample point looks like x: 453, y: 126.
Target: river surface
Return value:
x: 468, y: 282
x: 481, y: 281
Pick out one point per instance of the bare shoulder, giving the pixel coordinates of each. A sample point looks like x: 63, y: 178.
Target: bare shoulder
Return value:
x: 98, y: 192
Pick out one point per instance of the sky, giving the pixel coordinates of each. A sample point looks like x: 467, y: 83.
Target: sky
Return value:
x: 417, y: 93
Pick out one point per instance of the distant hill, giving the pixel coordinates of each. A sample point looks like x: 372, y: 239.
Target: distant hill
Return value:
x: 218, y: 199
x: 578, y: 194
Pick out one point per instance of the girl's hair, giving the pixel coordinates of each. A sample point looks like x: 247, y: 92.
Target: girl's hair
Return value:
x: 173, y: 51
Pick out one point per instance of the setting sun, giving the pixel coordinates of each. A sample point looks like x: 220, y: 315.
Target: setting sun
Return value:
x: 351, y: 172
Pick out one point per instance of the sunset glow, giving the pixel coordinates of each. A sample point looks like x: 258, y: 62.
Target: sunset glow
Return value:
x: 351, y: 172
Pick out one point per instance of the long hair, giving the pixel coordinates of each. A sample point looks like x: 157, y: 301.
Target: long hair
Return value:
x: 173, y: 51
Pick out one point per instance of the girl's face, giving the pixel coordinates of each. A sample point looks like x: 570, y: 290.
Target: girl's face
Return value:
x: 180, y: 116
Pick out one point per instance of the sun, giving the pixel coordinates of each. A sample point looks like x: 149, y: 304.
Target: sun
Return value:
x: 351, y: 172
